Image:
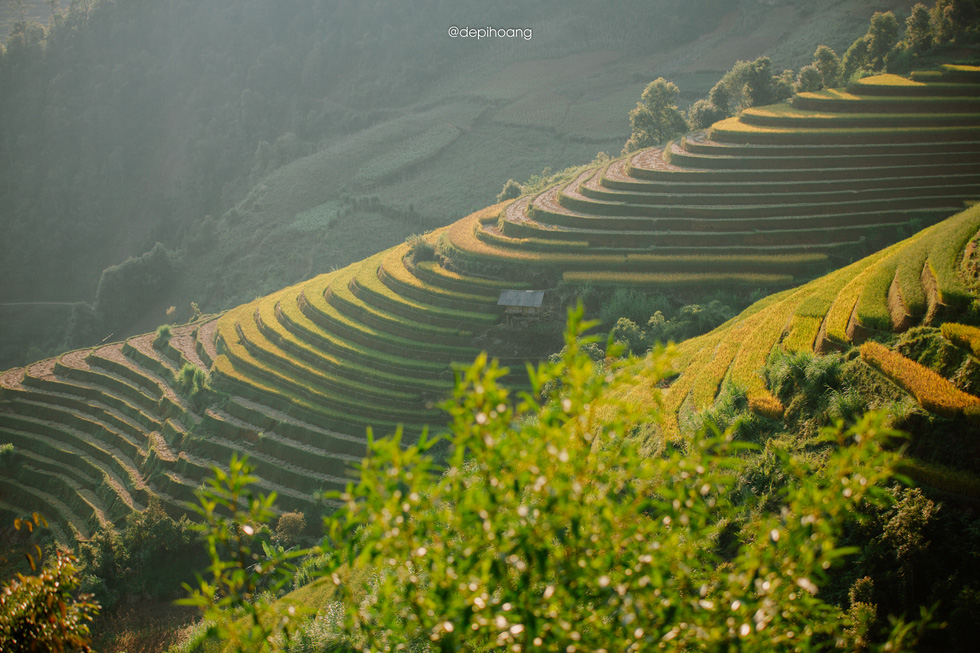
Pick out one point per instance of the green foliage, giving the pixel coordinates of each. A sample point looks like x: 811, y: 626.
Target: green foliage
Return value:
x: 747, y: 84
x: 720, y: 96
x: 828, y: 65
x: 803, y: 373
x: 537, y: 538
x: 420, y: 248
x: 633, y: 304
x: 808, y: 80
x: 125, y: 290
x: 164, y: 333
x: 511, y: 190
x: 918, y: 34
x: 855, y: 58
x: 552, y: 530
x: 703, y: 114
x: 6, y: 454
x: 868, y: 53
x: 882, y: 36
x: 656, y: 117
x: 628, y: 308
x: 905, y: 527
x: 149, y: 556
x: 782, y: 86
x: 953, y: 19
x: 193, y: 383
x: 44, y: 612
x: 688, y: 321
x: 242, y: 564
x: 630, y: 336
x: 731, y: 414
x: 757, y: 82
x: 289, y: 528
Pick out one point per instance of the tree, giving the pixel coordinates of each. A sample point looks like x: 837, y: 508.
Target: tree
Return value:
x: 703, y: 114
x: 721, y: 97
x: 749, y: 84
x: 855, y: 59
x: 918, y: 34
x: 758, y: 82
x: 828, y: 64
x: 656, y: 117
x: 511, y: 190
x: 782, y: 86
x: 808, y: 80
x: 882, y: 36
x: 952, y: 18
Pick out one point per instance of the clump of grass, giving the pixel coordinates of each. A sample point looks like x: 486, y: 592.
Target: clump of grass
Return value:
x: 193, y: 383
x: 164, y: 333
x: 420, y: 248
x: 6, y: 454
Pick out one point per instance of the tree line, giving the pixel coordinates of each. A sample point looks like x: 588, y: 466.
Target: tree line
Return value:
x: 885, y: 47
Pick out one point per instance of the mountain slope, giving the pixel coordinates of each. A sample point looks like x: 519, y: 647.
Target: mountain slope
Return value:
x: 234, y: 135
x: 299, y: 374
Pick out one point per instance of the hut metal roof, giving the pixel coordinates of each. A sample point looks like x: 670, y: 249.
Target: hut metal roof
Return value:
x: 528, y: 298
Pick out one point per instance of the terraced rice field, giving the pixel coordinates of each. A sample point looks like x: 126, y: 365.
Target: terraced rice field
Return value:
x: 837, y: 311
x: 843, y: 310
x: 771, y: 199
x: 814, y: 182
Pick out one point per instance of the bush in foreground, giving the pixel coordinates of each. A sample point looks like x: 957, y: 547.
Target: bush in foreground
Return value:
x: 44, y: 611
x: 552, y: 529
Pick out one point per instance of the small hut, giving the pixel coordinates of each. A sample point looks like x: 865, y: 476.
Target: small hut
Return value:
x: 521, y: 306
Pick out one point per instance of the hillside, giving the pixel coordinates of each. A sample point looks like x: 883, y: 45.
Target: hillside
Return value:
x: 261, y: 171
x: 927, y: 378
x: 300, y: 374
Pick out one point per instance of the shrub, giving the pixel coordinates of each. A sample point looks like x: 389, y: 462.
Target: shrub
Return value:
x: 420, y: 248
x: 193, y: 383
x: 633, y: 304
x: 555, y: 532
x: 808, y: 80
x: 6, y: 454
x: 43, y: 612
x: 511, y: 190
x: 630, y: 335
x: 164, y: 333
x: 290, y: 528
x: 703, y: 114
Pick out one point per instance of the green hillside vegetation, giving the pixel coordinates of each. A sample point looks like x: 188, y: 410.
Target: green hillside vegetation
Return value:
x: 585, y: 539
x: 296, y: 377
x: 862, y: 302
x: 852, y: 211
